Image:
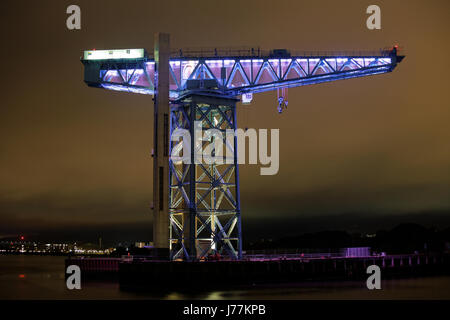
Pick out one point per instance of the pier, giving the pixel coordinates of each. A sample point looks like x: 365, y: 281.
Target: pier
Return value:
x: 140, y: 273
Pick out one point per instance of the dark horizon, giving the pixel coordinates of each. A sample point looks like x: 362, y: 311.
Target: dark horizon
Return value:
x: 253, y: 230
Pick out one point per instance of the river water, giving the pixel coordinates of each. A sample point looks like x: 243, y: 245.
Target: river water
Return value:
x: 42, y: 277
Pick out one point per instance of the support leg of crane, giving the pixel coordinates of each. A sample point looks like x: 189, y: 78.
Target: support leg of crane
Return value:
x: 161, y: 146
x: 204, y: 203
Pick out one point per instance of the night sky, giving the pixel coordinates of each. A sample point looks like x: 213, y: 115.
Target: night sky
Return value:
x: 356, y: 155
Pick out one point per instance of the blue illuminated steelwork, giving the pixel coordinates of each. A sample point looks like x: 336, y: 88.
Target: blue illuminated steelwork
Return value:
x: 204, y: 204
x: 234, y: 76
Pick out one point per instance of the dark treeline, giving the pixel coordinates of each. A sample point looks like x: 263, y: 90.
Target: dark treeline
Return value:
x: 404, y: 238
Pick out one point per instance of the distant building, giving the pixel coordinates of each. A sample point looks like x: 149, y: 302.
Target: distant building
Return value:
x: 356, y: 252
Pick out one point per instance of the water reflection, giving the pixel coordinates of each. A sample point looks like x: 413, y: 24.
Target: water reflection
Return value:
x: 42, y: 277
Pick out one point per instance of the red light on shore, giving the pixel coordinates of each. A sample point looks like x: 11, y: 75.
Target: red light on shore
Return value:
x: 21, y: 276
x: 22, y: 238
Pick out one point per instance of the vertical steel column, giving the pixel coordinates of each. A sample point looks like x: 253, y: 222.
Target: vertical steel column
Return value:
x: 161, y: 143
x: 189, y: 228
x: 238, y: 187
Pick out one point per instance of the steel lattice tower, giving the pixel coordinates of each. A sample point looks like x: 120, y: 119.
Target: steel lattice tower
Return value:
x: 204, y: 195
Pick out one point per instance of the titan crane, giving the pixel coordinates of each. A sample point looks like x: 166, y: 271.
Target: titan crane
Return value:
x: 196, y: 206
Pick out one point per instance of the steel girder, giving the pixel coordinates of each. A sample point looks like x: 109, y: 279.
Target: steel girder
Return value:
x: 204, y: 205
x: 233, y: 76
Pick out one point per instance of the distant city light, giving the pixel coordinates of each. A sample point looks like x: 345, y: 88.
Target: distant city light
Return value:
x: 49, y: 248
